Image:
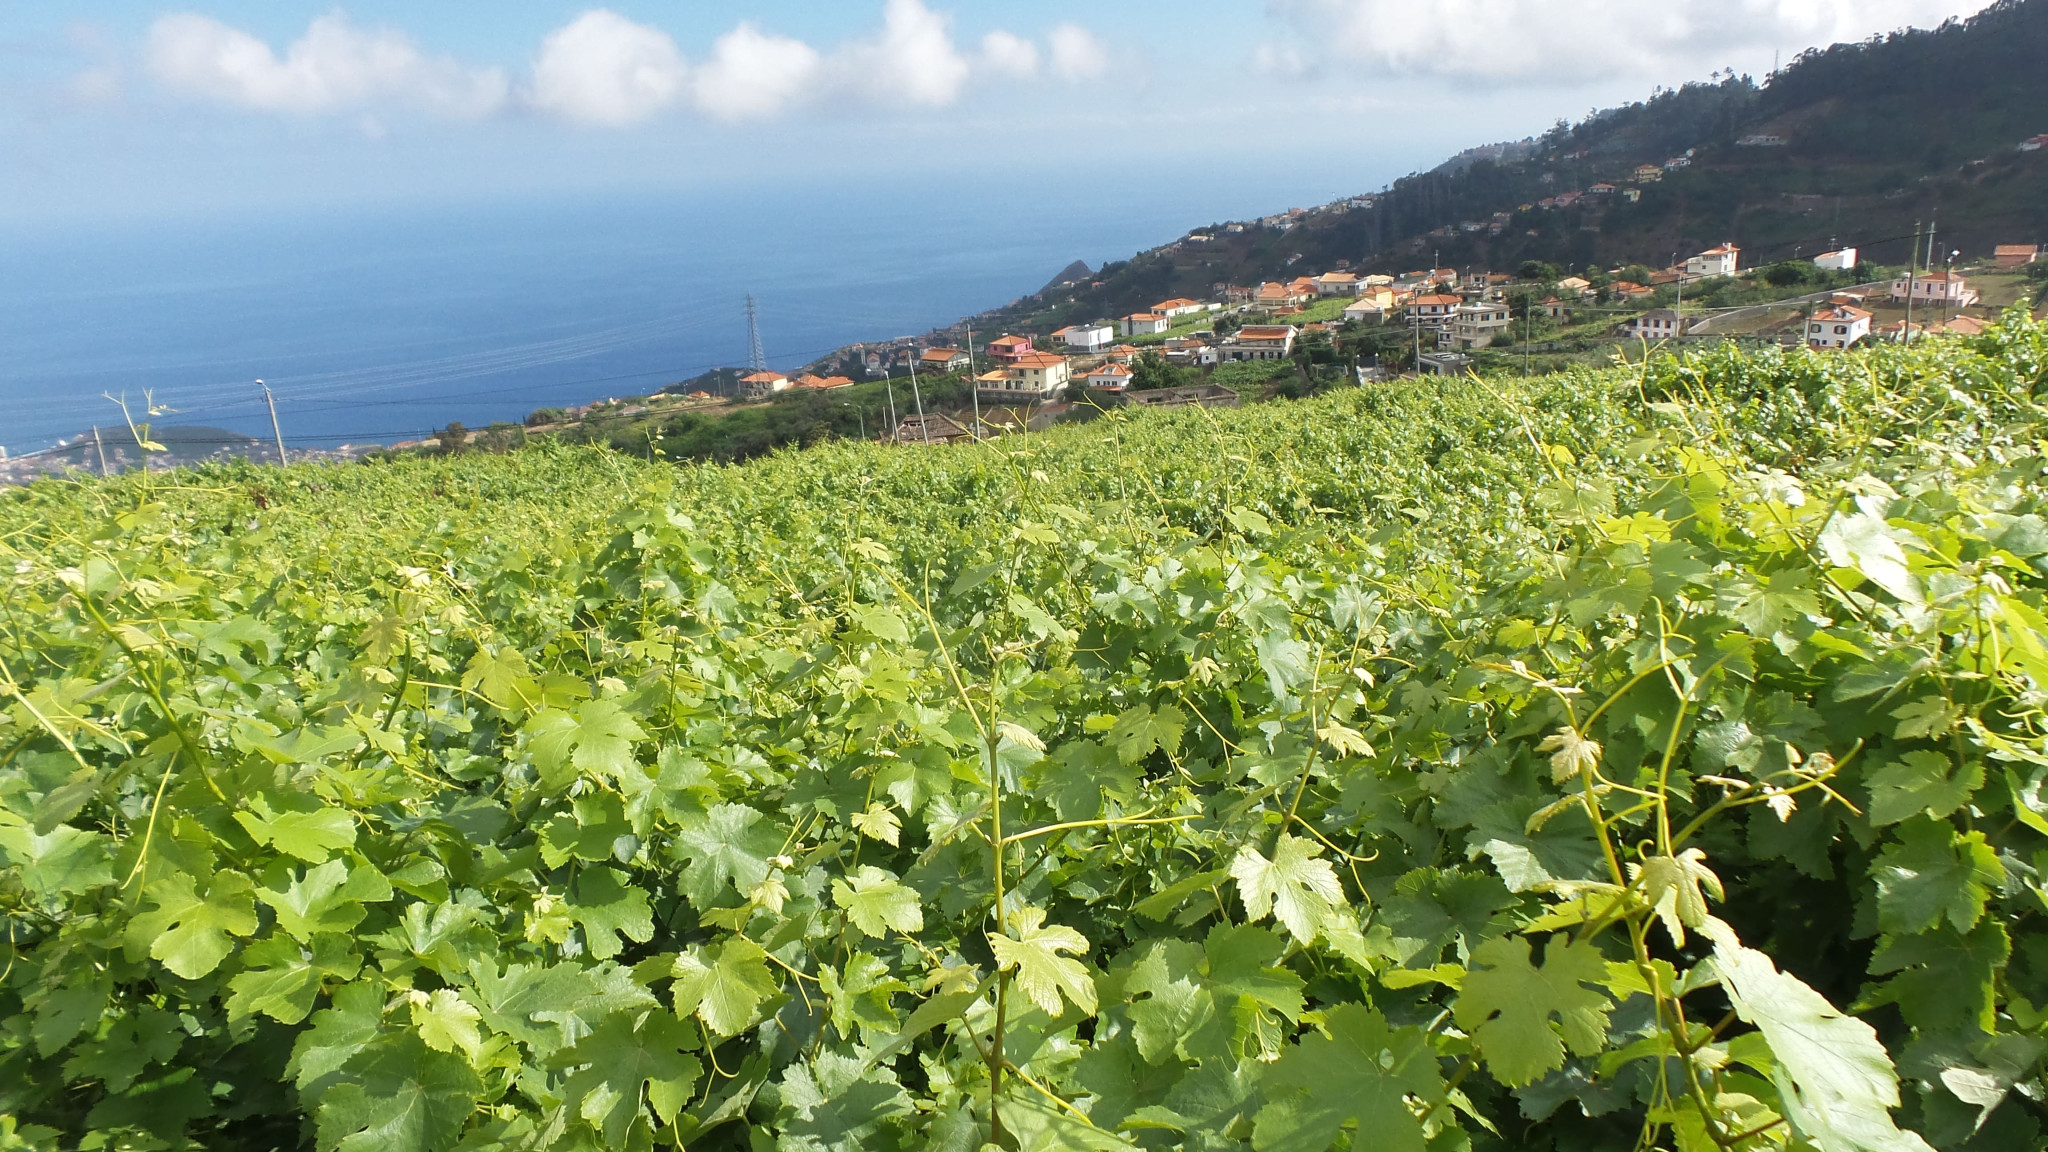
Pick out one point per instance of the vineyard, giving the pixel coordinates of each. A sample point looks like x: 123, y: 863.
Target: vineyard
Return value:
x: 1645, y: 758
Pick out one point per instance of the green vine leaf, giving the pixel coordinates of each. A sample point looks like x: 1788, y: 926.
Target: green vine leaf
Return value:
x: 1294, y: 887
x: 1507, y: 1004
x: 1359, y: 1074
x: 1042, y: 974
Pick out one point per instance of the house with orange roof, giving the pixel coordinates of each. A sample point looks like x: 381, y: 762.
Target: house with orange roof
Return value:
x: 1261, y: 342
x: 1960, y: 326
x: 1110, y: 378
x: 2015, y: 255
x: 1337, y: 284
x: 822, y: 383
x: 1436, y: 311
x: 1631, y: 290
x: 1178, y: 307
x: 1032, y: 377
x: 1010, y: 347
x: 1940, y: 288
x: 1722, y: 261
x: 1837, y: 326
x: 761, y: 385
x: 1277, y: 295
x: 1145, y: 324
x: 943, y: 360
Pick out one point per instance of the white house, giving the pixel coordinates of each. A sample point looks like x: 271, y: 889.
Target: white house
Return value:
x: 1087, y: 337
x: 1841, y: 261
x: 1658, y: 324
x: 1337, y: 284
x: 1942, y: 288
x: 1433, y: 311
x: 1262, y: 342
x: 1838, y: 326
x: 1179, y: 307
x: 760, y: 385
x: 1720, y: 261
x: 1478, y: 325
x: 1145, y: 324
x: 1370, y: 308
x: 1110, y: 378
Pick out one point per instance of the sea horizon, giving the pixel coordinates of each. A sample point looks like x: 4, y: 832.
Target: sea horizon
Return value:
x: 377, y: 324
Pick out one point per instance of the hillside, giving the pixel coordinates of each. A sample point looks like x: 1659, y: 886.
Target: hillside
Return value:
x: 1920, y: 126
x: 1645, y: 757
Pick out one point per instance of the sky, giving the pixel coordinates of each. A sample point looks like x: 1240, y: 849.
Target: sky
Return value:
x: 136, y: 109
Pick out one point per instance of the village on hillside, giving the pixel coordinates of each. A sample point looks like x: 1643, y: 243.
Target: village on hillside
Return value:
x: 1248, y: 341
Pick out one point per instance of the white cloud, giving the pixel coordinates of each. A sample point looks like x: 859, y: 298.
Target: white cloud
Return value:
x: 335, y: 65
x: 1542, y: 41
x: 602, y: 68
x: 1009, y: 55
x: 1077, y: 54
x: 913, y: 61
x: 753, y: 74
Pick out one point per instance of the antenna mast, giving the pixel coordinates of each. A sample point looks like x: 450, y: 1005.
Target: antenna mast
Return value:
x: 757, y: 360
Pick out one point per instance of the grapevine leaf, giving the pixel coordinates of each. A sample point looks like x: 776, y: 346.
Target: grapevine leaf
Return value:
x: 64, y: 862
x: 1922, y: 783
x: 281, y: 979
x: 329, y: 898
x: 608, y: 909
x: 1570, y: 754
x: 620, y: 1062
x: 403, y: 1098
x: 1294, y: 887
x: 723, y: 984
x: 876, y: 902
x: 1359, y: 1074
x: 597, y: 738
x: 445, y: 1021
x: 189, y: 932
x: 879, y: 822
x: 1869, y: 545
x: 1042, y: 973
x: 1672, y: 886
x: 860, y: 996
x: 311, y: 835
x: 1842, y: 1083
x: 130, y: 1045
x: 838, y: 1103
x: 1933, y: 872
x: 1507, y: 1004
x: 728, y: 845
x: 1140, y: 730
x: 337, y: 1034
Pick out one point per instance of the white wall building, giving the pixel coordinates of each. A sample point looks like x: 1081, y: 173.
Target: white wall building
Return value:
x: 1088, y: 337
x: 1841, y: 261
x: 1721, y: 261
x: 1941, y: 288
x: 1145, y: 324
x: 1837, y: 326
x: 1479, y: 325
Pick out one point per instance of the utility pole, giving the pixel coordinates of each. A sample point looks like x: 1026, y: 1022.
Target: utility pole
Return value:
x: 973, y: 384
x: 889, y: 385
x: 1912, y: 263
x: 275, y: 431
x: 918, y: 398
x: 100, y: 449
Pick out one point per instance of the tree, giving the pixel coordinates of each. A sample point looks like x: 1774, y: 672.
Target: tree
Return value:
x: 1151, y: 370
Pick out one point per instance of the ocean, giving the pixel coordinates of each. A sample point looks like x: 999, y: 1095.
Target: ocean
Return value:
x: 378, y: 325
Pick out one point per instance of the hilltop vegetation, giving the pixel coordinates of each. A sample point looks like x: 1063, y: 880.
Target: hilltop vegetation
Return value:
x: 1627, y: 758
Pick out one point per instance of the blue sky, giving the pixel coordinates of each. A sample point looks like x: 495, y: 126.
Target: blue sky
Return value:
x: 136, y: 108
